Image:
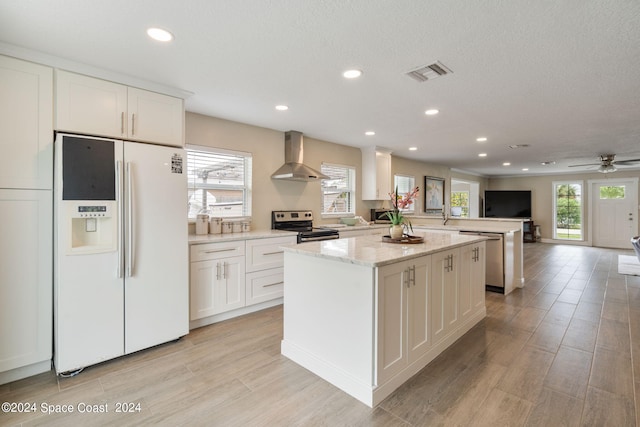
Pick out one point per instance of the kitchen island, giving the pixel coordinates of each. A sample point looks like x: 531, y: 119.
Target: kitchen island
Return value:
x: 367, y: 315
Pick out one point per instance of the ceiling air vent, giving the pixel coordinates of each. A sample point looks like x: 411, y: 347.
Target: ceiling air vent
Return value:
x: 429, y: 72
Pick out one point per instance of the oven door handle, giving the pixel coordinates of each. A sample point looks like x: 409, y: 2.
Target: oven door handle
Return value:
x: 315, y: 239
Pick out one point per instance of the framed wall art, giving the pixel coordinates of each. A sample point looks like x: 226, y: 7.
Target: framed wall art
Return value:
x: 433, y: 195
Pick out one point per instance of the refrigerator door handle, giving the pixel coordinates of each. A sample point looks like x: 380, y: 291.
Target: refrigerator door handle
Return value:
x: 130, y: 221
x: 119, y: 216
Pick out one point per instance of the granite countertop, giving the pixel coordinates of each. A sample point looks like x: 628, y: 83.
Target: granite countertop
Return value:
x: 371, y: 251
x: 196, y: 239
x: 478, y: 228
x: 344, y: 227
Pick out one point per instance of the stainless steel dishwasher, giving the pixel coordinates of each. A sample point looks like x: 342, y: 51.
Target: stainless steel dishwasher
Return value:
x: 494, y: 271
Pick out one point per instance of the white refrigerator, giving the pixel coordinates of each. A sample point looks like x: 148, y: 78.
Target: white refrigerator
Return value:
x: 120, y: 251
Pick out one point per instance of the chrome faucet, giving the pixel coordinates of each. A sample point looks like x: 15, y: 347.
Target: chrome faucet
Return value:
x: 445, y: 218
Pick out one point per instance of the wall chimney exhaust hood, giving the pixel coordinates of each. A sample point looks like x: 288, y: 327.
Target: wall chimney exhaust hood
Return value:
x: 294, y: 169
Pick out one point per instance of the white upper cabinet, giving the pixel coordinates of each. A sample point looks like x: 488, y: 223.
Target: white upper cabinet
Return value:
x: 376, y: 173
x: 26, y: 108
x: 155, y: 117
x: 98, y: 107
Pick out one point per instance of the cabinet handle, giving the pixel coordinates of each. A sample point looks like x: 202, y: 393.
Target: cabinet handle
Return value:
x: 412, y: 275
x: 219, y: 250
x: 122, y: 123
x: 133, y: 124
x: 273, y: 284
x: 224, y: 270
x: 273, y: 253
x: 218, y: 271
x: 452, y: 268
x: 407, y: 282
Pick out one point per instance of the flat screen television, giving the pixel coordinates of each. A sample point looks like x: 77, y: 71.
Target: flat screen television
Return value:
x: 507, y: 204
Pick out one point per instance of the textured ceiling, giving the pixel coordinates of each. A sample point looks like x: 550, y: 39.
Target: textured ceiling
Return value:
x: 560, y: 76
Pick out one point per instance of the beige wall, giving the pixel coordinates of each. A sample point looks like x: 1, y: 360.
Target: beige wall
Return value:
x: 267, y: 148
x: 542, y: 194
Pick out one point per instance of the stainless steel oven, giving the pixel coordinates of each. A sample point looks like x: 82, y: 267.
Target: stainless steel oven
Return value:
x: 302, y: 223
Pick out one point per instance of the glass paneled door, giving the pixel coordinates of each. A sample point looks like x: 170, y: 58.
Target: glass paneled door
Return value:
x: 614, y: 212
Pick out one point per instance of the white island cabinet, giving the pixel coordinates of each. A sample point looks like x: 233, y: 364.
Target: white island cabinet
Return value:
x: 367, y: 315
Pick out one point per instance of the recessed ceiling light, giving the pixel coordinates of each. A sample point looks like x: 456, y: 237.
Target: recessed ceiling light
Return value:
x: 482, y: 155
x: 352, y: 74
x: 282, y: 107
x: 519, y: 146
x: 432, y: 112
x: 413, y: 148
x: 551, y: 162
x: 369, y: 133
x: 482, y: 139
x: 506, y: 164
x: 159, y: 34
x: 525, y: 169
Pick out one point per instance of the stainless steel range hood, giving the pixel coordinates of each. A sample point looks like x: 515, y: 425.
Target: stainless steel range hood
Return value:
x: 294, y: 169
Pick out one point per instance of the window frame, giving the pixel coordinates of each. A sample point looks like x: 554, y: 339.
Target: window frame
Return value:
x: 351, y: 171
x: 467, y: 207
x: 246, y: 188
x: 412, y: 209
x: 554, y: 186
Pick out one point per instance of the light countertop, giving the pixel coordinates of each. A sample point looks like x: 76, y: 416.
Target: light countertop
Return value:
x: 196, y: 239
x: 371, y: 251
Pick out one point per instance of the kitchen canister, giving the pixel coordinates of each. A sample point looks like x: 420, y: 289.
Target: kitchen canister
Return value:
x: 227, y: 227
x: 202, y: 224
x: 237, y: 226
x: 246, y: 226
x: 215, y: 225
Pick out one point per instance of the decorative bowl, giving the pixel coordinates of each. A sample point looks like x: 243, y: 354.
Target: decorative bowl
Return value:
x: 349, y: 221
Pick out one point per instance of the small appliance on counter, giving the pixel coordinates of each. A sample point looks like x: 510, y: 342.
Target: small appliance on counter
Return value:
x: 379, y: 216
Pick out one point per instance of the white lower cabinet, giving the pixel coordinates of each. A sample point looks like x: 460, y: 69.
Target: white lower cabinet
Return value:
x: 217, y: 278
x: 444, y: 293
x: 471, y: 286
x: 265, y: 285
x: 403, y: 315
x: 235, y: 278
x: 26, y: 289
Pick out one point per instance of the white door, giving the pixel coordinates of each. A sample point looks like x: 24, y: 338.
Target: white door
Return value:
x: 157, y: 285
x: 614, y: 212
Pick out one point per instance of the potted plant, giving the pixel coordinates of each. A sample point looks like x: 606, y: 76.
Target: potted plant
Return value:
x: 399, y: 223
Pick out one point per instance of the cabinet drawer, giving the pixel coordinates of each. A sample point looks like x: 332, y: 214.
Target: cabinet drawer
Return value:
x: 209, y: 251
x: 265, y: 285
x: 266, y: 253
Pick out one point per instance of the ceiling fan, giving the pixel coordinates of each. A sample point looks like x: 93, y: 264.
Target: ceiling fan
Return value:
x: 608, y: 163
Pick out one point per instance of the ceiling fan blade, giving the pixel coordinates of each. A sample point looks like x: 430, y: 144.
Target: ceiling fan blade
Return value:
x: 588, y: 164
x: 626, y: 162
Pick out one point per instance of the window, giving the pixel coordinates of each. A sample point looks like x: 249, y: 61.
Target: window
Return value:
x: 460, y: 204
x: 612, y: 192
x: 219, y: 182
x: 405, y: 184
x: 339, y: 191
x: 567, y: 206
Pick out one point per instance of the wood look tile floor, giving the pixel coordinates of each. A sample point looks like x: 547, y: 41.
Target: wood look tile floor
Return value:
x: 564, y: 350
